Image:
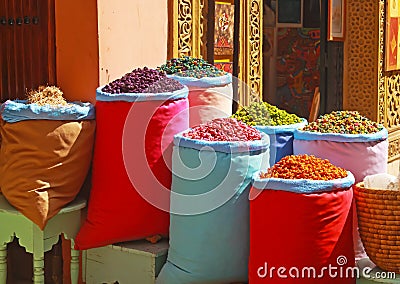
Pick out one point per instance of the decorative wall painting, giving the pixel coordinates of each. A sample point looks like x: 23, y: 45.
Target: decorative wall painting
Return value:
x: 297, y: 69
x: 224, y: 29
x: 226, y: 66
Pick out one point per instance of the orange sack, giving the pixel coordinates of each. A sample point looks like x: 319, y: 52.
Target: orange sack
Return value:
x: 43, y: 164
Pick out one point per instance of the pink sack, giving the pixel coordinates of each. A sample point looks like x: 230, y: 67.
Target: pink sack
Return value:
x: 362, y: 155
x: 209, y: 98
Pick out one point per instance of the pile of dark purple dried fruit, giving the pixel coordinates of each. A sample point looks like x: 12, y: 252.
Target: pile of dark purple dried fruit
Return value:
x: 144, y: 80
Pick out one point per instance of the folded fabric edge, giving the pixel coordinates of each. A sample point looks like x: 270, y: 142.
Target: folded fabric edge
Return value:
x: 302, y: 185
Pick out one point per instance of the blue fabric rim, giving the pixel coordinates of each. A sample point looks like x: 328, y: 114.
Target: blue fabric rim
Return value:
x: 206, y: 82
x: 20, y: 110
x: 141, y: 97
x: 337, y: 137
x: 222, y: 146
x: 279, y: 129
x: 302, y: 185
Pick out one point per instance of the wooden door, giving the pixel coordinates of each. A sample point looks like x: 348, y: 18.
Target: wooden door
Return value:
x: 27, y: 46
x: 331, y: 85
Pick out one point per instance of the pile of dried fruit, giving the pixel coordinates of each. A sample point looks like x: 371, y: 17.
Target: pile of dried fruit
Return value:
x: 263, y: 113
x: 188, y: 66
x: 223, y: 129
x: 143, y: 81
x: 47, y: 95
x: 343, y: 122
x: 304, y: 167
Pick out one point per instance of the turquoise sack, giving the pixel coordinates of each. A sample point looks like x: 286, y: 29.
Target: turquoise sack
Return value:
x: 209, y: 219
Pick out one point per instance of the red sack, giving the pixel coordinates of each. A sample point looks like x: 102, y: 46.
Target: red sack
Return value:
x: 362, y: 154
x: 298, y: 231
x: 117, y: 211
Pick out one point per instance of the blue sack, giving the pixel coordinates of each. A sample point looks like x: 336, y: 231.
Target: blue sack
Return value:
x: 20, y: 110
x: 209, y: 219
x: 205, y: 82
x: 281, y: 139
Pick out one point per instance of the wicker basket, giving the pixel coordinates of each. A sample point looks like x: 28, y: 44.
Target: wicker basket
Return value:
x: 379, y: 225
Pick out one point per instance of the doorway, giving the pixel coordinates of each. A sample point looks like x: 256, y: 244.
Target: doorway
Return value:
x: 291, y: 53
x: 27, y: 54
x: 297, y: 57
x: 27, y: 60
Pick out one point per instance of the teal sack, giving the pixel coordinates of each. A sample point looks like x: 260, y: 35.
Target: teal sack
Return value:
x: 209, y: 219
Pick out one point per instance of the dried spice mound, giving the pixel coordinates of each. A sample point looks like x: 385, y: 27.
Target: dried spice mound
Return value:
x: 304, y: 167
x: 163, y: 86
x: 188, y: 66
x: 224, y: 129
x: 47, y: 95
x: 265, y: 114
x: 143, y: 81
x: 343, y: 122
x: 211, y: 72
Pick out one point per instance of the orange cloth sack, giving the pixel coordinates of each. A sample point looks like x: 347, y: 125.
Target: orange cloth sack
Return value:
x: 43, y: 164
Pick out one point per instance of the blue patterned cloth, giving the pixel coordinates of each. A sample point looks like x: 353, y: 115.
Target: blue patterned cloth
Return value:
x: 302, y: 185
x: 338, y: 137
x: 20, y: 110
x: 223, y: 146
x: 141, y: 97
x: 206, y: 82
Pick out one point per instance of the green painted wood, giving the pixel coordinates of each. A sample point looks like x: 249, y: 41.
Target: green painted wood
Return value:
x: 74, y: 264
x: 38, y: 268
x: 36, y: 241
x: 84, y: 261
x: 128, y: 262
x: 75, y: 205
x: 38, y: 254
x: 3, y: 263
x: 159, y: 263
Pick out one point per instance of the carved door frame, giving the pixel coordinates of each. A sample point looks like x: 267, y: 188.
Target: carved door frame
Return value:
x: 187, y: 36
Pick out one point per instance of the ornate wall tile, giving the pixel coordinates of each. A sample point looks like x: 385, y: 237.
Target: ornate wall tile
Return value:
x: 361, y: 57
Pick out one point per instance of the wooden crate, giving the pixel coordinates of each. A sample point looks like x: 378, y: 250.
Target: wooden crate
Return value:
x: 126, y: 263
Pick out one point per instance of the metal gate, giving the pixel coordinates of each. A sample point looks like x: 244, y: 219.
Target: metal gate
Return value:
x: 27, y: 46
